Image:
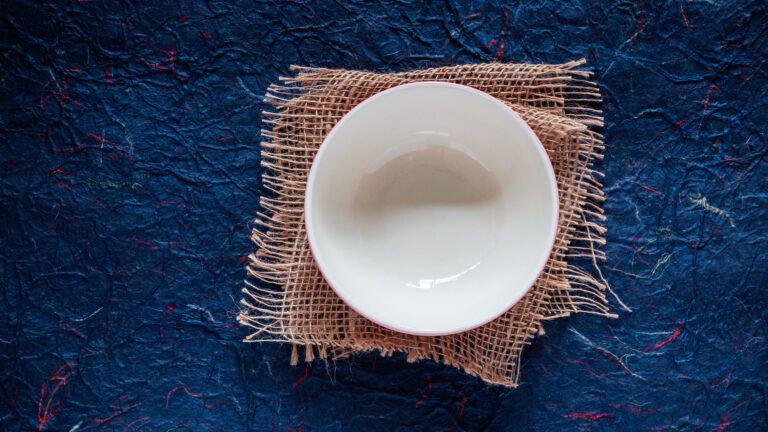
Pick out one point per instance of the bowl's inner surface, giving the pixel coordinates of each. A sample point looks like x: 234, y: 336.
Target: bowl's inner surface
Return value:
x: 431, y: 208
x: 422, y: 198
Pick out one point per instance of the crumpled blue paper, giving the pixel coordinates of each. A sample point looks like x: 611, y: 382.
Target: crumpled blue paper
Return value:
x: 130, y: 179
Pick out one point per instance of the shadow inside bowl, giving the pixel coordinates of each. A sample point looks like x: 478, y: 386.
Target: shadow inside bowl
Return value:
x: 431, y: 211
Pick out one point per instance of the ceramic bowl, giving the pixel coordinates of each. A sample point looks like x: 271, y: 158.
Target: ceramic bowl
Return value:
x: 431, y: 208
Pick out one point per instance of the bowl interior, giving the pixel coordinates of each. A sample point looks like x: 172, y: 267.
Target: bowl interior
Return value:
x: 431, y: 208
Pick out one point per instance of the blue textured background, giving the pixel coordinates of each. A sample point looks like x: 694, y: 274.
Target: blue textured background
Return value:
x: 130, y: 178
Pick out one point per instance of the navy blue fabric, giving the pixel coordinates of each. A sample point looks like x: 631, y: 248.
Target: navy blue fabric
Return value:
x: 130, y: 179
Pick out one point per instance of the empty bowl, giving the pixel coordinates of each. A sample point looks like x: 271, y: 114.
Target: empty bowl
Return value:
x: 431, y: 208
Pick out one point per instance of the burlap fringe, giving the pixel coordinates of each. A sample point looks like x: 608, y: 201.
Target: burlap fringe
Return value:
x: 286, y: 299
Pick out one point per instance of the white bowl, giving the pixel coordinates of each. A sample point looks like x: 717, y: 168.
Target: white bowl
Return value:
x: 431, y: 208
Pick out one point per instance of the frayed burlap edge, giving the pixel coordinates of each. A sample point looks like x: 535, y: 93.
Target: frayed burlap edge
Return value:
x: 287, y: 300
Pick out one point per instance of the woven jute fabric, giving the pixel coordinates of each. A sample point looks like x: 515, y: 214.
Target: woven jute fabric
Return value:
x: 286, y: 298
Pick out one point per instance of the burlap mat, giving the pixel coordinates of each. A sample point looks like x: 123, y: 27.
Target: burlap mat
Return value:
x: 287, y: 300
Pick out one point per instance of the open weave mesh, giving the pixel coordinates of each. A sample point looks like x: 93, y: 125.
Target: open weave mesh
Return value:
x: 286, y: 298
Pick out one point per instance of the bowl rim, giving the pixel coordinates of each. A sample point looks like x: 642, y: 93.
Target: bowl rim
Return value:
x: 513, y: 300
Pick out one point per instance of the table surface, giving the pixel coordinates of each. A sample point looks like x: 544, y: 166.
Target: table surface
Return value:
x: 130, y: 181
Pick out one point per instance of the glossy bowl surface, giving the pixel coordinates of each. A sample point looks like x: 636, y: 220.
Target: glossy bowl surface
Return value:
x: 431, y: 208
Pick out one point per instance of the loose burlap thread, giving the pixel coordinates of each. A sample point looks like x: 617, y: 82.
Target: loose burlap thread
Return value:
x: 286, y: 298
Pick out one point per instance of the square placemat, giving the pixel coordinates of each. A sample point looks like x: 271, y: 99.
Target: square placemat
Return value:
x: 286, y: 298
